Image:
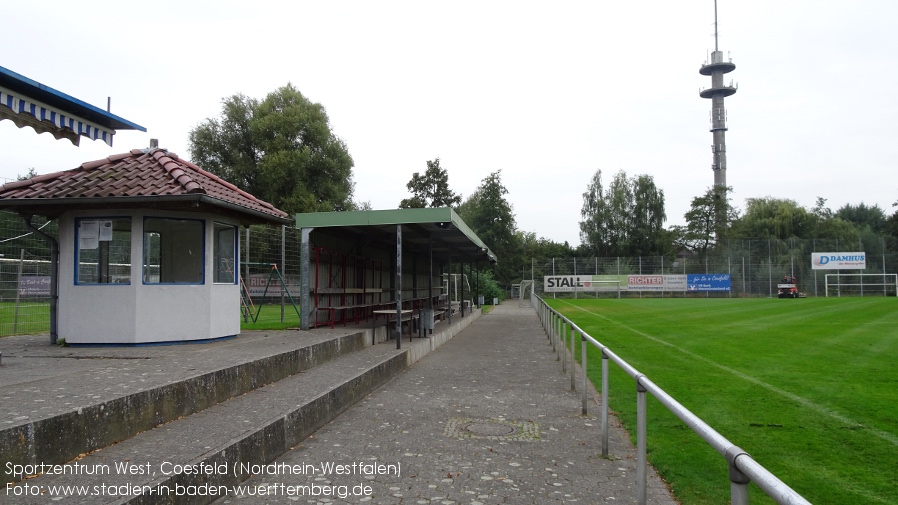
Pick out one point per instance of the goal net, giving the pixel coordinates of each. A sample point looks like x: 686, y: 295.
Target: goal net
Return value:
x: 523, y: 296
x: 861, y: 284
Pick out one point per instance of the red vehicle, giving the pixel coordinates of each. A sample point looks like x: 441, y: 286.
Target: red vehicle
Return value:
x: 788, y: 287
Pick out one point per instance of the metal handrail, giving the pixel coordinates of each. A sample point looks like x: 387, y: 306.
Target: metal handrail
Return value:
x: 743, y: 469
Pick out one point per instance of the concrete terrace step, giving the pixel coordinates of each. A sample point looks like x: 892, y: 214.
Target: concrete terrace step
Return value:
x: 57, y: 403
x: 253, y: 428
x: 248, y: 399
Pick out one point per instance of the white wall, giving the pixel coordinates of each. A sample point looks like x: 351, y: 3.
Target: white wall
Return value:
x: 143, y: 313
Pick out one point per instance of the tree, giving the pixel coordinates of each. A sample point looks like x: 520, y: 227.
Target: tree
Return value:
x: 281, y: 150
x: 862, y: 216
x: 491, y: 217
x: 593, y: 228
x: 31, y: 174
x: 648, y: 217
x: 624, y: 220
x: 430, y: 189
x: 707, y: 220
x: 769, y: 217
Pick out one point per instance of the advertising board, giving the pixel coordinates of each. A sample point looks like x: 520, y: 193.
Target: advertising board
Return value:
x: 707, y: 282
x: 839, y: 261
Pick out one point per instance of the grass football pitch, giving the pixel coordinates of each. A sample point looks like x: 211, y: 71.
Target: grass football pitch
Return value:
x: 808, y: 387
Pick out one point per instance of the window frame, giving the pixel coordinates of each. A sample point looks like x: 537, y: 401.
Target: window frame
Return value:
x: 77, y: 255
x: 144, y: 252
x: 235, y: 253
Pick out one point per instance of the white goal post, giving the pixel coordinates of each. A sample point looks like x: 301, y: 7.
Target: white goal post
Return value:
x: 861, y: 284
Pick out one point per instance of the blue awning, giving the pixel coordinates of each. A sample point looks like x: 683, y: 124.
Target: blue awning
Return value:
x: 28, y: 103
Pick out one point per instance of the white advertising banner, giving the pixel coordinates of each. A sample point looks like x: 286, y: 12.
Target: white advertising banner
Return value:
x: 839, y: 261
x: 571, y: 283
x: 656, y: 282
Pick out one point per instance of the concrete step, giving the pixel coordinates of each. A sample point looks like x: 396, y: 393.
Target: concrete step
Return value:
x: 196, y: 453
x: 53, y: 409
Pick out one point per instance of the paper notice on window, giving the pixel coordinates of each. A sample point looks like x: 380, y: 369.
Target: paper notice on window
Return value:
x: 89, y: 234
x: 105, y: 231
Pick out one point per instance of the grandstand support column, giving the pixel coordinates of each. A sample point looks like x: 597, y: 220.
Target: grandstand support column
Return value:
x: 304, y: 257
x: 430, y: 283
x: 449, y: 289
x: 399, y: 286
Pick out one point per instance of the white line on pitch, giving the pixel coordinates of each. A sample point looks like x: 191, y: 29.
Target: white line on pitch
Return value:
x: 888, y: 437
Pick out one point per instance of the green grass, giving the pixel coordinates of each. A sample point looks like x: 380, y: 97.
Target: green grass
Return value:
x: 808, y: 387
x: 34, y: 318
x: 270, y: 318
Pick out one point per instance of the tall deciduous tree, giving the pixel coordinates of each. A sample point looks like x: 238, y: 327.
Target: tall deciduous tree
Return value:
x: 491, y: 217
x: 430, y: 189
x: 280, y: 149
x: 863, y: 216
x: 769, y: 217
x: 626, y: 219
x: 593, y: 227
x: 707, y: 220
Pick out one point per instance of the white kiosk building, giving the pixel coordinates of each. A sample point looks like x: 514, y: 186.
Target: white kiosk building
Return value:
x: 148, y: 248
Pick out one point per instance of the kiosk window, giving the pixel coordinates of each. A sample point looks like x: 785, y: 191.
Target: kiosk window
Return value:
x: 173, y: 251
x: 104, y: 251
x: 225, y: 250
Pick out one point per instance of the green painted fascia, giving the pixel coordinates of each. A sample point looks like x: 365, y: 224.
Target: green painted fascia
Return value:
x: 388, y: 217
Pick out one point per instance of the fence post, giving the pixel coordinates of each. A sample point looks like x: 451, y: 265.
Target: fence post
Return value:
x: 15, y: 317
x: 605, y: 427
x: 554, y: 332
x: 640, y: 442
x: 563, y: 346
x: 738, y: 480
x: 283, y: 266
x: 583, y: 367
x: 573, y: 360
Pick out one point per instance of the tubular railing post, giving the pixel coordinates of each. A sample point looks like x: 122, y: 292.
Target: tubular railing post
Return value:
x: 605, y: 427
x: 573, y: 360
x: 563, y: 346
x: 552, y: 324
x: 741, y: 471
x: 738, y: 480
x: 583, y: 367
x: 556, y: 330
x: 640, y: 442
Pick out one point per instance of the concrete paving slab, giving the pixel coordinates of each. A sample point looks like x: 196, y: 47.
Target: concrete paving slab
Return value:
x: 486, y: 418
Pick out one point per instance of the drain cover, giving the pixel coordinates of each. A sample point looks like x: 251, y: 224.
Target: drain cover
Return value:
x: 492, y: 429
x: 489, y: 429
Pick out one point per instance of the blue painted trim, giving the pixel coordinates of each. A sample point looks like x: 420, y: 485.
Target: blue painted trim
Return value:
x: 64, y: 102
x: 155, y: 344
x: 77, y: 254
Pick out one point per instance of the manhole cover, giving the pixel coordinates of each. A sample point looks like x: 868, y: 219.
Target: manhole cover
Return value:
x: 492, y: 429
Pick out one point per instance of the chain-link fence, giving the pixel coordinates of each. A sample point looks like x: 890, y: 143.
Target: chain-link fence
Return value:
x: 269, y: 263
x: 24, y: 275
x: 755, y: 267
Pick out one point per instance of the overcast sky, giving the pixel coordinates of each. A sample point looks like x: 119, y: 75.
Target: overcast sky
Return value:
x: 546, y: 92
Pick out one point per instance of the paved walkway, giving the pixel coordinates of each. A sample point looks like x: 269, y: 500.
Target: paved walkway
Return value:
x: 487, y: 418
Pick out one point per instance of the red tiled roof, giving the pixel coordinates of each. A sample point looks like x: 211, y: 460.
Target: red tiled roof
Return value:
x: 141, y: 174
